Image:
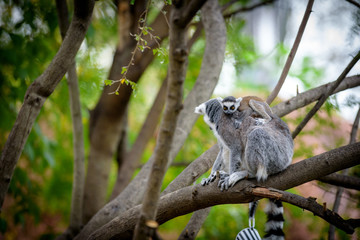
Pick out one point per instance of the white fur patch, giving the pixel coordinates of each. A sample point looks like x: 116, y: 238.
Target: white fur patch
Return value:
x: 273, y: 225
x: 200, y: 109
x: 261, y: 173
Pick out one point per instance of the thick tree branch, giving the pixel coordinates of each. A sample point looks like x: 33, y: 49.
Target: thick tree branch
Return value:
x: 196, y: 197
x: 177, y: 71
x: 305, y: 98
x: 40, y: 90
x: 326, y: 95
x: 190, y: 9
x: 78, y: 141
x: 292, y: 53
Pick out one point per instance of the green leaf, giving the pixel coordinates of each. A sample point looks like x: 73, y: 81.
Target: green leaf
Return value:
x: 108, y: 82
x: 116, y: 93
x: 123, y: 70
x: 155, y: 51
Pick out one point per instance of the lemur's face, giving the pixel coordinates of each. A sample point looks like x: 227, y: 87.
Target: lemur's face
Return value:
x: 229, y: 104
x: 229, y: 107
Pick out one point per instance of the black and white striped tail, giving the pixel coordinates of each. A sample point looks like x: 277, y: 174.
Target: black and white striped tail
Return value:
x: 275, y: 222
x: 252, y: 209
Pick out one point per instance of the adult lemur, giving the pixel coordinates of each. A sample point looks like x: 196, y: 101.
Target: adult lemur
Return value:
x: 259, y: 144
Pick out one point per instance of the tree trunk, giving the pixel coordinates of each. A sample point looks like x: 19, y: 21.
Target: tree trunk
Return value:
x: 106, y: 118
x: 40, y: 90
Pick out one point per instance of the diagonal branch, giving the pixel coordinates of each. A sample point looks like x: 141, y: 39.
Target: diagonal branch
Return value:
x: 291, y: 56
x: 305, y: 98
x: 40, y: 90
x: 245, y: 9
x: 309, y: 204
x: 326, y: 95
x: 342, y: 181
x: 177, y: 71
x: 196, y: 197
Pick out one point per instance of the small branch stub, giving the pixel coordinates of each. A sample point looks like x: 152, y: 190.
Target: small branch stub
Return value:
x: 152, y: 224
x: 265, y: 192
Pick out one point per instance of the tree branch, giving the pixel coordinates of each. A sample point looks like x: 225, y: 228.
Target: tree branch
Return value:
x: 305, y: 98
x: 325, y: 96
x: 40, y: 90
x: 340, y: 190
x: 191, y: 8
x: 245, y: 9
x: 147, y: 130
x: 342, y: 181
x: 309, y: 204
x: 291, y: 56
x: 196, y: 197
x: 78, y: 141
x: 177, y: 71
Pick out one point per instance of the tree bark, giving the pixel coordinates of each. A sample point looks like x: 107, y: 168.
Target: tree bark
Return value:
x: 106, y: 118
x: 78, y: 141
x: 196, y: 197
x: 178, y: 59
x: 133, y: 158
x: 40, y: 90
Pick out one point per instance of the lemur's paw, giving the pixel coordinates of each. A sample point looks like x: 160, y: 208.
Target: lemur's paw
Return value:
x: 206, y: 181
x: 235, y: 177
x: 223, y: 175
x: 224, y: 183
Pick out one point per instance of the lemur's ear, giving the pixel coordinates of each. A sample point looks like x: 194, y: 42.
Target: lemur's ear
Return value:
x: 238, y: 100
x: 219, y: 99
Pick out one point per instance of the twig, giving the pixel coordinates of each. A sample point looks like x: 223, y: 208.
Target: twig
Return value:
x: 325, y: 96
x: 309, y: 204
x: 245, y: 9
x: 291, y: 56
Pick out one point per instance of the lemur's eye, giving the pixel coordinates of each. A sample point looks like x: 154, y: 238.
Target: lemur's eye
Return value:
x: 225, y: 108
x: 232, y: 107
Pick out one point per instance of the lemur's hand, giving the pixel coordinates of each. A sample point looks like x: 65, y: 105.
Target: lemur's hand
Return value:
x: 211, y: 178
x: 224, y: 183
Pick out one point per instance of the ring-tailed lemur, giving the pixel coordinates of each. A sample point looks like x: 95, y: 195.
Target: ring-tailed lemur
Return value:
x: 257, y: 149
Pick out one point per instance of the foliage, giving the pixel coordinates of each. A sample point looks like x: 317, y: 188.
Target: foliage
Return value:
x: 29, y: 38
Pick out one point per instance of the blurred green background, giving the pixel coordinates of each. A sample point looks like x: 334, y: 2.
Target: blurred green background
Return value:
x: 38, y: 202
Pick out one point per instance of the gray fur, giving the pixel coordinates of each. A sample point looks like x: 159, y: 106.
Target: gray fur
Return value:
x: 257, y: 149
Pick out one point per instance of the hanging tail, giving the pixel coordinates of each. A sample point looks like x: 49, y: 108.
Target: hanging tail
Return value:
x: 252, y: 209
x: 275, y: 222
